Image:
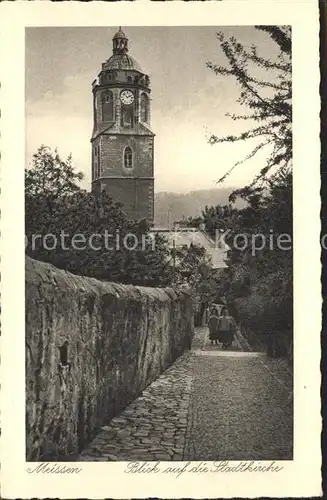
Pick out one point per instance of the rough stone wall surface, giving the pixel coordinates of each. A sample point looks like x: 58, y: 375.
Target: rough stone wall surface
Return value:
x: 91, y: 348
x: 112, y: 149
x: 136, y: 195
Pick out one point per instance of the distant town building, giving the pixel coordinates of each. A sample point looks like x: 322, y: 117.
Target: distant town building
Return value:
x: 178, y: 237
x: 122, y: 139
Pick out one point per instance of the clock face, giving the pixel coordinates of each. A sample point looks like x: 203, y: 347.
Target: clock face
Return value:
x: 127, y: 97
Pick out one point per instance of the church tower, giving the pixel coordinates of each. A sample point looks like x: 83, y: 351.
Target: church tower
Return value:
x: 122, y: 140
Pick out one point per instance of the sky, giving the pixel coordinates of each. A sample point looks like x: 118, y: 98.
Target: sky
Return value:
x: 188, y: 101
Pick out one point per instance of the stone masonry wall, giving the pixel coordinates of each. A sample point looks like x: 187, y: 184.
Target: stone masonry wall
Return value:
x: 91, y: 348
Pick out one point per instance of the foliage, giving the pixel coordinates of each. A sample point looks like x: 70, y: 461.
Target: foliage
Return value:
x: 267, y: 306
x: 258, y: 283
x: 90, y: 235
x: 51, y: 177
x: 58, y: 210
x: 268, y: 100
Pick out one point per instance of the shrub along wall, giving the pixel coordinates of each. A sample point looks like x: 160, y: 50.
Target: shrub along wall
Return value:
x: 91, y: 348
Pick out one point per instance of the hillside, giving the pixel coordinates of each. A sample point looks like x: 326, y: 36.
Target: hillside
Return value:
x: 170, y: 207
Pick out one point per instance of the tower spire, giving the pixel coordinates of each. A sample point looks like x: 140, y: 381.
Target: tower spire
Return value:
x: 120, y: 42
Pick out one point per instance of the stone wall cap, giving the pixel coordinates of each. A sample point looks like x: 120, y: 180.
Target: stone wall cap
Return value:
x: 36, y: 271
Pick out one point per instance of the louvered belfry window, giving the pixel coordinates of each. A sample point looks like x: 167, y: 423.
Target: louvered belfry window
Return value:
x: 144, y: 108
x: 107, y: 106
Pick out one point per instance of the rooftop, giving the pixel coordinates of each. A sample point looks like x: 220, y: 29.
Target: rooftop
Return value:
x: 193, y: 236
x: 122, y: 61
x: 120, y: 34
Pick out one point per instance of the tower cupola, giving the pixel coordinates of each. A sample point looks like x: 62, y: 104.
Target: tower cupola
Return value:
x: 120, y: 43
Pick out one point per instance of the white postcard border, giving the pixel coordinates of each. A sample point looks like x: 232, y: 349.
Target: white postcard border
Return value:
x: 299, y: 478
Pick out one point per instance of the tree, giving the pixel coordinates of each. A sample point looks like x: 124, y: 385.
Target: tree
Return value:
x: 66, y: 226
x: 259, y: 285
x: 268, y: 100
x: 261, y: 281
x: 50, y: 177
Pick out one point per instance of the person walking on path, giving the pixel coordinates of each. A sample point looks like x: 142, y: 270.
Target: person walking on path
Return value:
x: 213, y: 323
x: 225, y: 329
x: 233, y: 328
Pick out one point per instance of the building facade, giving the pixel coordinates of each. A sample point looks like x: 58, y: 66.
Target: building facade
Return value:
x: 122, y: 139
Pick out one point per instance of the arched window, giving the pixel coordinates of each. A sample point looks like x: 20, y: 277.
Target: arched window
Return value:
x: 128, y: 157
x: 144, y: 108
x: 95, y: 161
x: 127, y: 116
x: 99, y: 161
x: 107, y: 106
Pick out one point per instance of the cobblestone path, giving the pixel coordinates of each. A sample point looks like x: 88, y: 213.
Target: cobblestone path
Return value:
x: 240, y: 408
x: 209, y: 405
x: 153, y: 427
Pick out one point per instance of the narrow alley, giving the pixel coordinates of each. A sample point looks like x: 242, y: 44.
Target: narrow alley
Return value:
x: 211, y: 404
